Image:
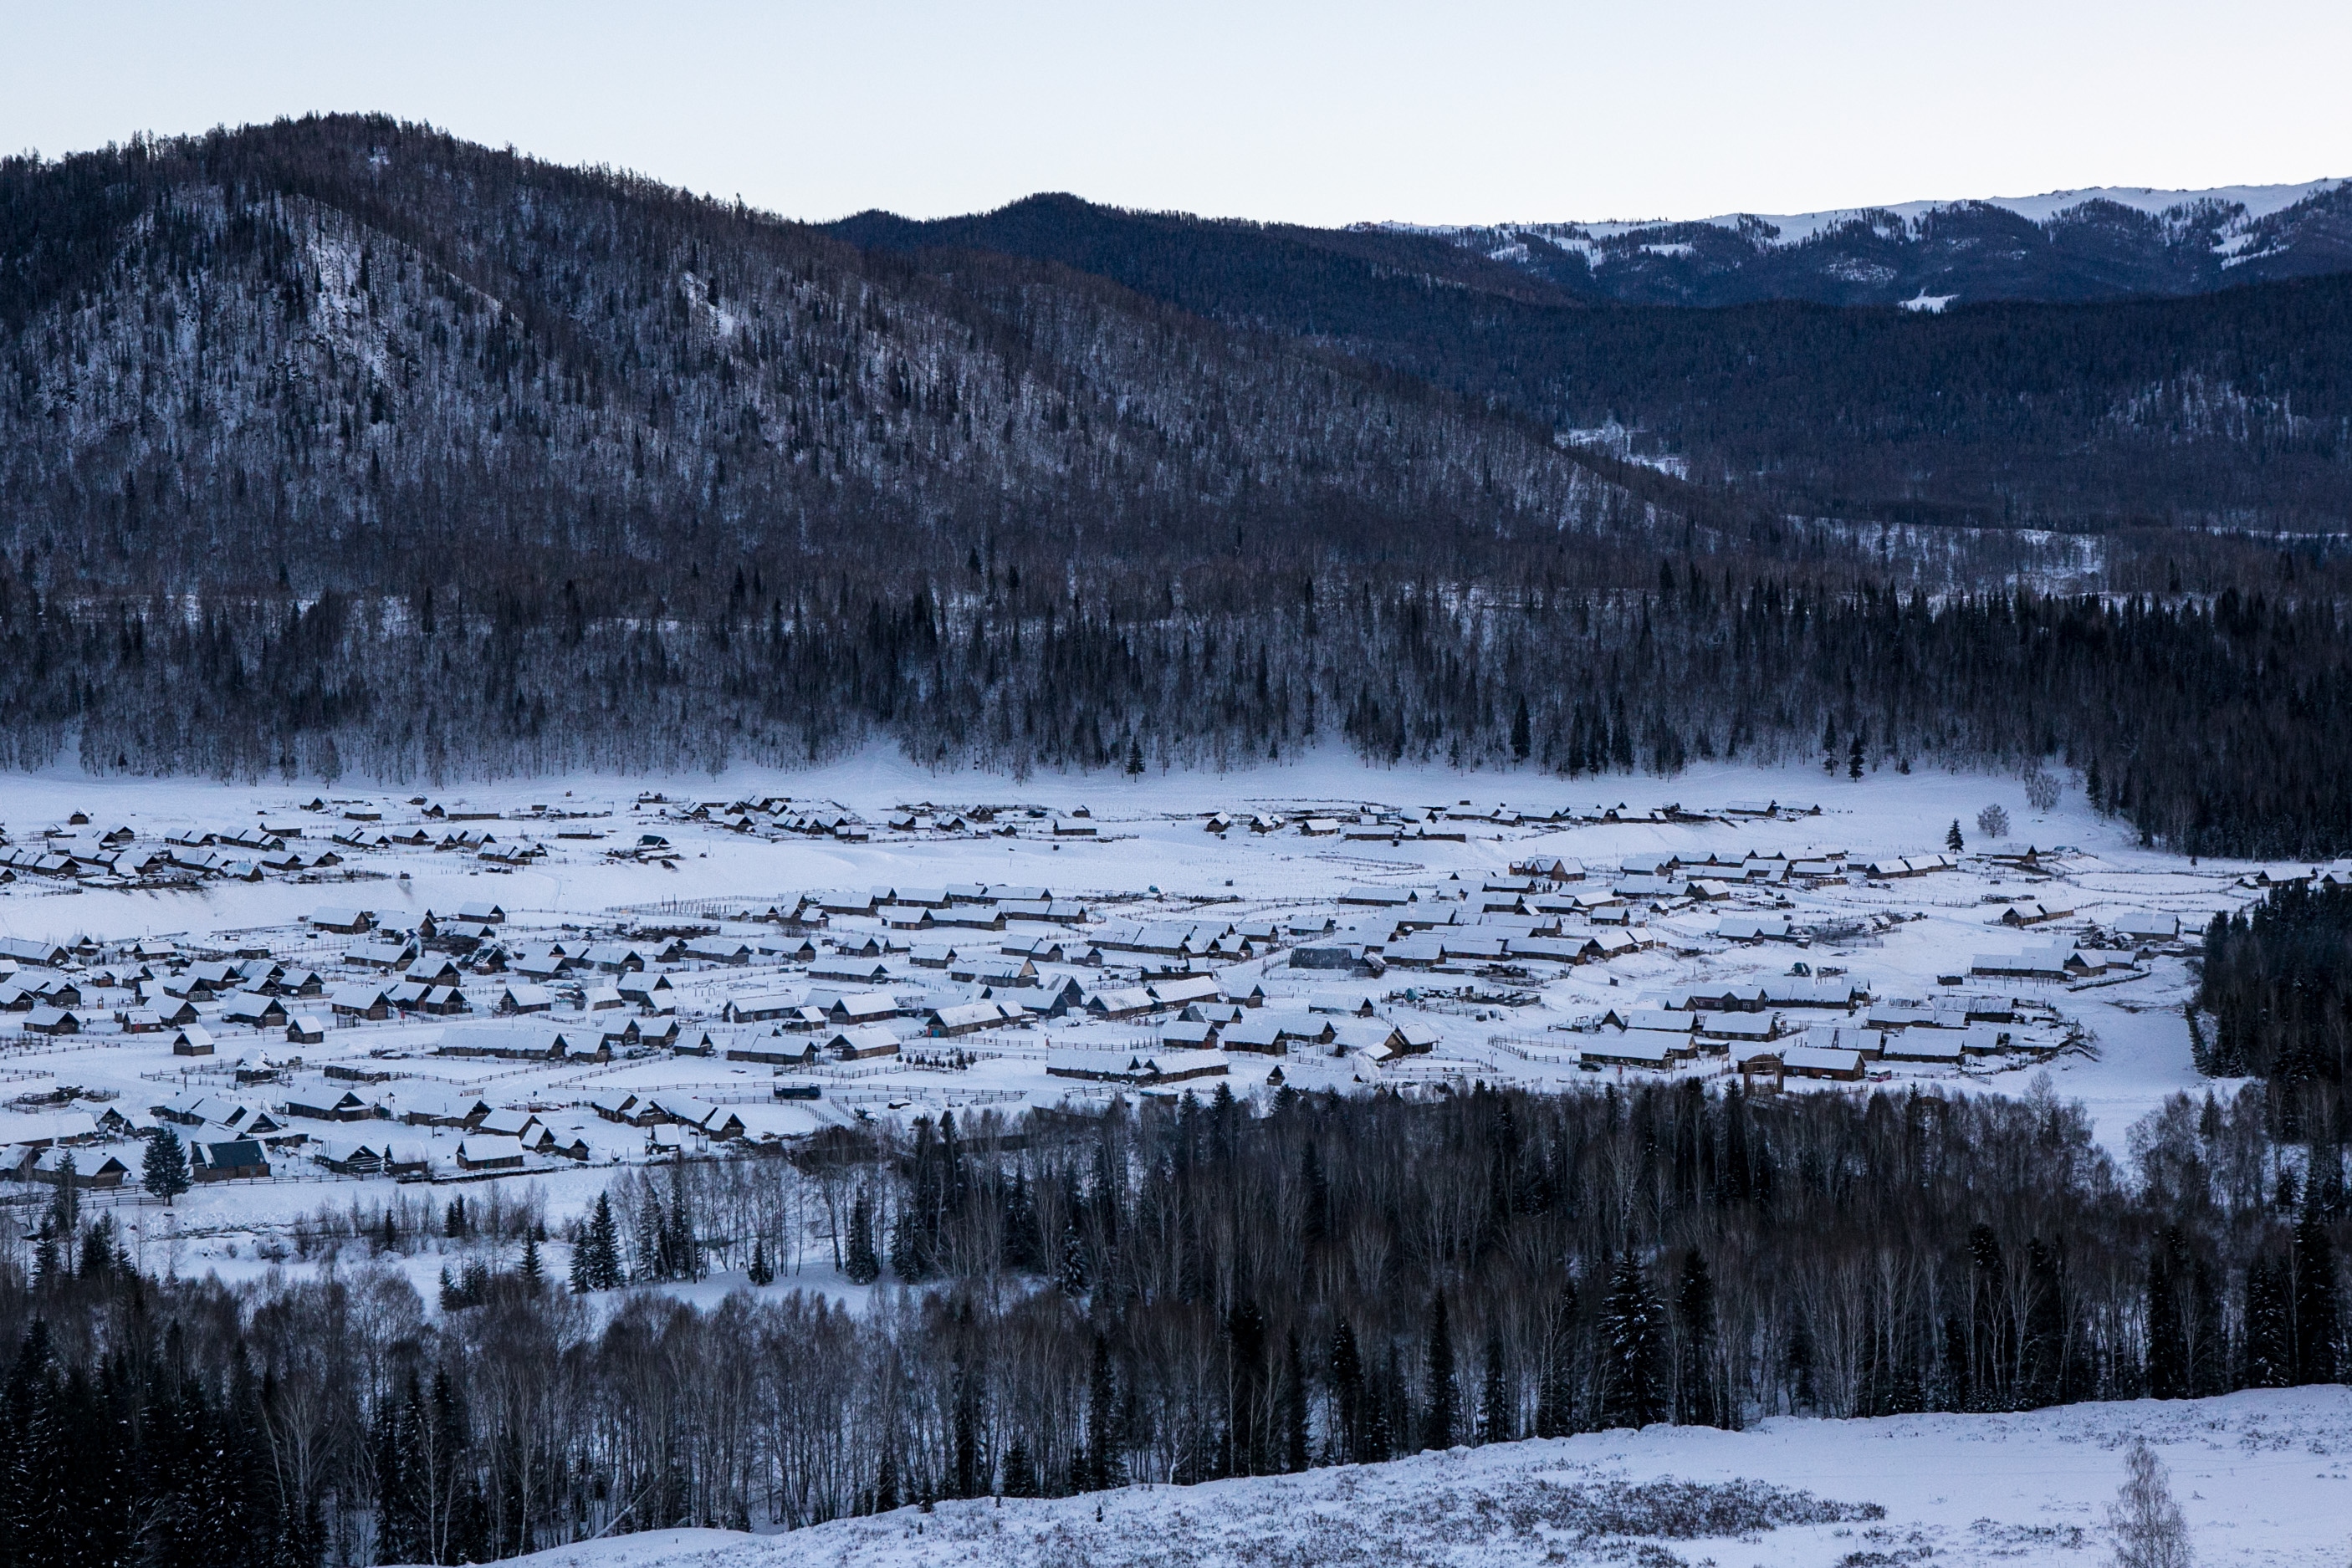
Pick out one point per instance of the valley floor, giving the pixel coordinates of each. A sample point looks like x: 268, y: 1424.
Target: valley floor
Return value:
x: 2120, y: 1045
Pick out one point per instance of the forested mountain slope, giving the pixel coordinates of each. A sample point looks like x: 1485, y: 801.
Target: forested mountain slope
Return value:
x: 398, y: 338
x: 342, y: 444
x: 2226, y: 408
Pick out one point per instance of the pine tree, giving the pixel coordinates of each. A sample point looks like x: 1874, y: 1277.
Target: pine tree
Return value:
x: 1494, y: 1420
x: 1445, y: 1392
x: 1695, y: 1315
x: 1347, y: 1393
x: 761, y: 1271
x: 2269, y: 1327
x: 1106, y: 1460
x: 1522, y: 737
x: 1294, y: 1405
x: 1632, y: 1349
x: 2168, y: 1344
x: 1070, y: 1264
x: 2315, y: 1306
x: 1952, y: 840
x: 858, y: 1260
x: 164, y: 1171
x: 1019, y: 1469
x: 530, y: 1272
x: 1384, y: 1416
x: 601, y: 1244
x: 967, y: 1480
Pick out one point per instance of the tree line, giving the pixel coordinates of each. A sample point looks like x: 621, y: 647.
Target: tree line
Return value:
x: 1165, y: 1292
x: 2169, y: 713
x: 2278, y: 984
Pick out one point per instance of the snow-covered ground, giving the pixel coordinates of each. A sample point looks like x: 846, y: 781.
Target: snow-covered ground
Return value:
x: 2120, y: 1045
x: 1795, y: 228
x: 2262, y: 1478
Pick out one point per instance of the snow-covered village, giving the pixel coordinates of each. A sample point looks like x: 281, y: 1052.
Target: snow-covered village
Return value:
x: 464, y: 987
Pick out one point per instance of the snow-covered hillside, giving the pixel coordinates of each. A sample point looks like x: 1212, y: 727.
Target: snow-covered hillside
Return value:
x: 2251, y: 202
x: 2262, y: 1477
x: 2097, y: 243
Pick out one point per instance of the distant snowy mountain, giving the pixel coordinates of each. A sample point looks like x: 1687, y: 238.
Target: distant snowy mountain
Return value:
x: 2105, y: 242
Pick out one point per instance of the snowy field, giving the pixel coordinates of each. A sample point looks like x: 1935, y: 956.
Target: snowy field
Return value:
x: 568, y: 862
x: 2263, y: 1479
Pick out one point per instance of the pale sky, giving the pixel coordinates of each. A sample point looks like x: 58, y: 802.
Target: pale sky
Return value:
x: 1320, y: 113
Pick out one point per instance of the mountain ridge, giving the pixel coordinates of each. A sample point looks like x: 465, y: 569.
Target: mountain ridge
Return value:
x: 2103, y: 243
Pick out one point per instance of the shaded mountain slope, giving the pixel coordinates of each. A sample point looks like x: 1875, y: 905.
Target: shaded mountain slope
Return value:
x: 2228, y: 407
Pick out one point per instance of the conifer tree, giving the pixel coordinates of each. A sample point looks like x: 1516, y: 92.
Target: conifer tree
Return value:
x: 1106, y: 1461
x: 1701, y: 1404
x: 2168, y: 1344
x: 1348, y: 1393
x: 1952, y: 840
x: 1070, y: 1266
x: 1294, y: 1405
x: 2270, y: 1326
x: 1384, y: 1412
x: 1495, y: 1421
x: 1632, y: 1349
x: 1020, y: 1468
x: 596, y: 1264
x: 2316, y: 1313
x: 859, y: 1261
x: 1445, y: 1391
x: 967, y: 1480
x: 164, y: 1170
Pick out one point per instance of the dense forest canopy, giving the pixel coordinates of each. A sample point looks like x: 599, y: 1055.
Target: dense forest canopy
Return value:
x: 1170, y: 1292
x: 342, y: 445
x: 2278, y: 982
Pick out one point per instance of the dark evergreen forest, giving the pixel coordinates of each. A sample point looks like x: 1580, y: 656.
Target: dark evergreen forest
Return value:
x: 1166, y: 1293
x: 342, y: 446
x: 2226, y: 408
x: 2278, y: 982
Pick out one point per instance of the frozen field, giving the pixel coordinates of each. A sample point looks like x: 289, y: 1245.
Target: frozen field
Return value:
x: 2262, y: 1479
x: 1142, y: 894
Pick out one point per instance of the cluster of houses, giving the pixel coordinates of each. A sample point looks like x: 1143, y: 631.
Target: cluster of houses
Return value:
x: 111, y: 855
x: 1751, y: 1027
x: 666, y: 1116
x: 1403, y: 824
